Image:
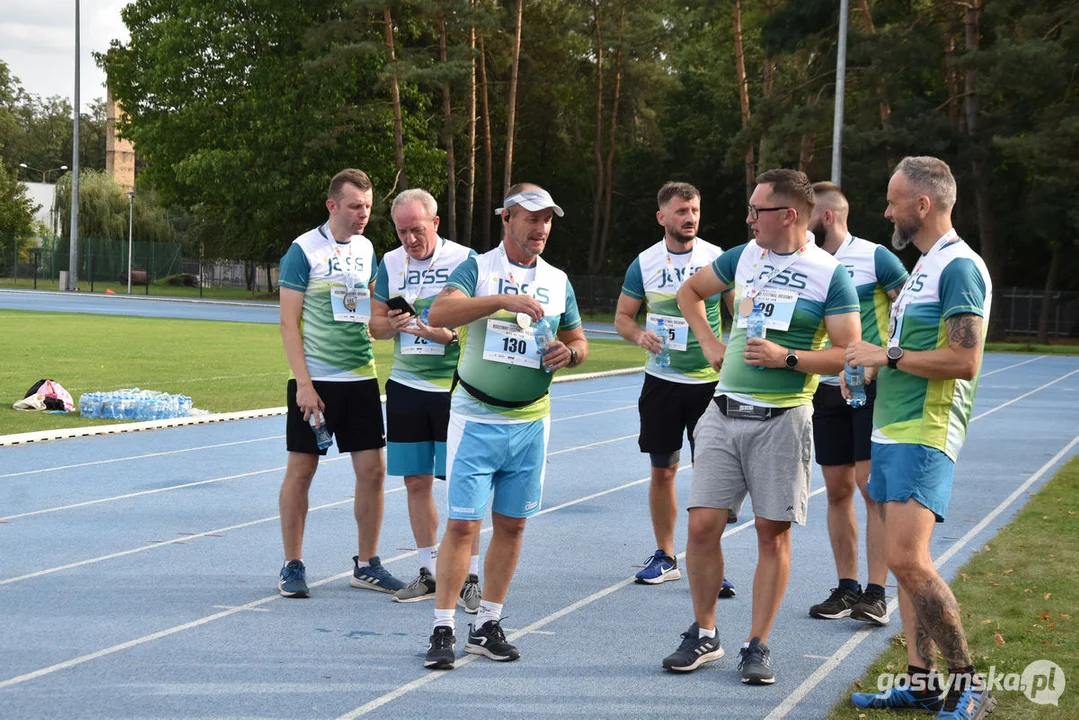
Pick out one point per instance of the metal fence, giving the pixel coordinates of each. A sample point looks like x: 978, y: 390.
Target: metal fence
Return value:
x: 1018, y: 311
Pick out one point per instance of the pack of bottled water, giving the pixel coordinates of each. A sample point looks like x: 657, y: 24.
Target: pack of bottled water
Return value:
x: 133, y: 404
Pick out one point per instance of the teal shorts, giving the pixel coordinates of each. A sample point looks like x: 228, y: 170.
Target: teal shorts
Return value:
x: 901, y: 472
x: 506, y: 461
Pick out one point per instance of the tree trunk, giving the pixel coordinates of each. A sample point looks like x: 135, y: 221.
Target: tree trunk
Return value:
x: 1047, y: 297
x: 488, y: 178
x: 470, y: 192
x: 512, y: 110
x: 882, y: 95
x: 395, y: 93
x: 979, y: 154
x: 767, y: 82
x: 447, y: 116
x: 951, y: 77
x: 611, y: 143
x: 597, y: 143
x: 743, y: 92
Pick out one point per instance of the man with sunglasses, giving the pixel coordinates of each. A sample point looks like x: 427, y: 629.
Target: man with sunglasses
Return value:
x: 756, y: 436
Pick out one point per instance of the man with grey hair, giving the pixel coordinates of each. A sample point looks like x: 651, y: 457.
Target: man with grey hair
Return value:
x: 418, y: 389
x: 925, y: 395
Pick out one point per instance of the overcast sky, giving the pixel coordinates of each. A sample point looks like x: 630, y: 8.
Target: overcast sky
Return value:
x: 37, y: 41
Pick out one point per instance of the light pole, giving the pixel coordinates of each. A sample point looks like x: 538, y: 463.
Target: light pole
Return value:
x: 840, y: 93
x: 43, y: 172
x: 130, y: 226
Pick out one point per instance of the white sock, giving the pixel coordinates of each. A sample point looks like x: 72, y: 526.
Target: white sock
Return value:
x: 445, y: 617
x: 702, y: 633
x: 745, y: 645
x: 428, y: 555
x: 474, y: 565
x: 488, y: 611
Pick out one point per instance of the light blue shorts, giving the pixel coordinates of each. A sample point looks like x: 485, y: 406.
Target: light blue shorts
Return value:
x: 901, y: 472
x: 506, y: 460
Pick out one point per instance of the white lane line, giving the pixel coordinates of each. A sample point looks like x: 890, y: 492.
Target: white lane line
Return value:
x: 139, y: 457
x: 597, y: 392
x: 432, y: 676
x: 818, y: 675
x: 1009, y: 367
x: 582, y: 447
x: 256, y: 603
x: 180, y: 540
x: 155, y: 491
x: 598, y: 412
x: 1024, y: 395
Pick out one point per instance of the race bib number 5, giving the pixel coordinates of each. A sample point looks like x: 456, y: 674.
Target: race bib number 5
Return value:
x: 677, y: 330
x: 510, y: 344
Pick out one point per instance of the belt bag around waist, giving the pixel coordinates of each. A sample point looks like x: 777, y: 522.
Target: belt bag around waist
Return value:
x: 484, y: 397
x: 743, y: 411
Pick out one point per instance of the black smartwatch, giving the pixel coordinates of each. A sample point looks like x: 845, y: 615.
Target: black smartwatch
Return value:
x: 895, y: 354
x: 572, y: 358
x: 791, y: 360
x: 455, y: 339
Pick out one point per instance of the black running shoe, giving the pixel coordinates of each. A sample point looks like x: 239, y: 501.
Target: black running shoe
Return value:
x: 490, y: 640
x: 756, y: 664
x: 838, y: 605
x: 871, y: 608
x: 440, y: 653
x: 694, y: 651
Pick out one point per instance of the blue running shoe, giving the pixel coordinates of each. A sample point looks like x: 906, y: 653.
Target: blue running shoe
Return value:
x: 373, y: 576
x: 974, y: 702
x: 661, y: 567
x: 727, y: 591
x: 897, y: 699
x: 293, y: 582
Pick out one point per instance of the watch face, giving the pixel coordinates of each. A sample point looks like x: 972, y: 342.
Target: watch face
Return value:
x: 792, y: 360
x: 895, y: 352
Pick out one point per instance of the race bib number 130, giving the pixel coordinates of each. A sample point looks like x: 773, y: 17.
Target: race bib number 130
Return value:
x: 510, y: 344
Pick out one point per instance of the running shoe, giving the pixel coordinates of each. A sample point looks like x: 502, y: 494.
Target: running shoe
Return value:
x: 471, y: 595
x: 727, y: 591
x: 440, y: 652
x: 422, y: 588
x: 490, y: 640
x: 293, y: 582
x: 871, y: 608
x: 756, y: 664
x: 972, y: 701
x: 660, y: 567
x: 694, y: 651
x: 838, y: 605
x: 897, y: 699
x: 373, y: 576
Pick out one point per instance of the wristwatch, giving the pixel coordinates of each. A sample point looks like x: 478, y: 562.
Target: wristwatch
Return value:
x: 895, y: 354
x: 572, y: 358
x: 454, y: 339
x: 792, y: 359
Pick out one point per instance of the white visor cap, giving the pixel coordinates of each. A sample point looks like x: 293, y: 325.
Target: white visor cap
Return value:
x: 533, y: 199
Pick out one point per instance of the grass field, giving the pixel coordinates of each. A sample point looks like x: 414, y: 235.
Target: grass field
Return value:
x: 159, y: 289
x: 223, y: 366
x: 1018, y: 596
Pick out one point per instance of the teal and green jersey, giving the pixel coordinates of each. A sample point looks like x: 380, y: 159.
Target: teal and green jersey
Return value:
x: 876, y: 271
x: 316, y: 264
x: 802, y: 295
x: 498, y: 357
x: 419, y: 363
x: 655, y: 276
x: 949, y: 280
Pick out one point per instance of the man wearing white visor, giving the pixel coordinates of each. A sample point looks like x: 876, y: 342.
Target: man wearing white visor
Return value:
x: 520, y: 324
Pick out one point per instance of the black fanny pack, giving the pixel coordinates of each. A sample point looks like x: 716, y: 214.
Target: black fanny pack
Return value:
x: 484, y: 397
x: 744, y: 411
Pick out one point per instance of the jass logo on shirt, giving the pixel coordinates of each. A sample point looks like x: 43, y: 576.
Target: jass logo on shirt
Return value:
x: 675, y: 276
x: 352, y: 264
x: 793, y: 280
x: 417, y: 277
x: 542, y: 294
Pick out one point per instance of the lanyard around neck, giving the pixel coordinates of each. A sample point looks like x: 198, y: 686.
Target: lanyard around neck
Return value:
x: 507, y: 267
x: 757, y: 284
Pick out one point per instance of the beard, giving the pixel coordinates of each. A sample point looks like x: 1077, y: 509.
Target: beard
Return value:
x: 904, y: 233
x: 819, y: 233
x: 677, y: 233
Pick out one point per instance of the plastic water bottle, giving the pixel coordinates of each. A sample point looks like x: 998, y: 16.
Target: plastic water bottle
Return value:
x: 424, y: 314
x: 663, y: 357
x: 318, y: 425
x: 544, y: 338
x: 855, y: 377
x: 755, y: 327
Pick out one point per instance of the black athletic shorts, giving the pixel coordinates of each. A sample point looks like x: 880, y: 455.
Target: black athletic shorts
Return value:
x: 353, y: 414
x: 841, y: 434
x: 668, y: 409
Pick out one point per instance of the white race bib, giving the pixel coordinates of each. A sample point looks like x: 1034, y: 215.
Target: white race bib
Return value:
x: 351, y: 306
x: 415, y: 345
x: 508, y: 343
x: 677, y: 330
x: 778, y: 308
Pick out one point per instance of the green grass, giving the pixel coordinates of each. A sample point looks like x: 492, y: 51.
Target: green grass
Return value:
x: 1018, y: 595
x: 158, y: 289
x: 1022, y: 347
x: 223, y: 366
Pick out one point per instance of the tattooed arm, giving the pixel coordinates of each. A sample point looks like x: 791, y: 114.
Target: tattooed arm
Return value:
x: 960, y: 360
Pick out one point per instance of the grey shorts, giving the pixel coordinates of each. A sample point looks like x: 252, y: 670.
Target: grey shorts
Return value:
x: 770, y: 460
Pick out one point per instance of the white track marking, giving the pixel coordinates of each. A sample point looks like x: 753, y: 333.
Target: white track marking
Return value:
x: 597, y: 412
x: 582, y: 447
x: 596, y: 392
x: 1024, y: 395
x: 1009, y: 367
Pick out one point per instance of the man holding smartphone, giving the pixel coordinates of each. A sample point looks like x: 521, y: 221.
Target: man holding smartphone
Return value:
x: 418, y: 389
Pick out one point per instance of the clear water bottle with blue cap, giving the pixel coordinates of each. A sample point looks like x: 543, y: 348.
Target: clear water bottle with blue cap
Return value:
x: 323, y: 438
x: 755, y: 327
x: 424, y: 314
x: 855, y: 377
x: 663, y: 357
x: 544, y: 338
